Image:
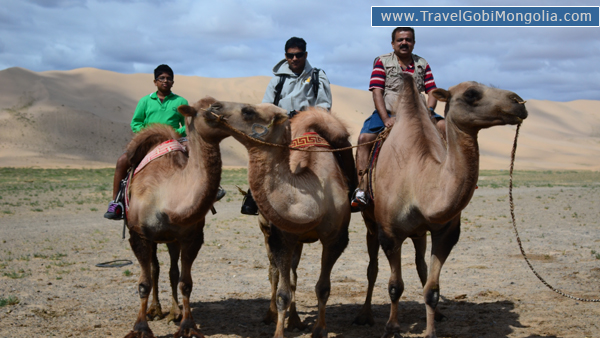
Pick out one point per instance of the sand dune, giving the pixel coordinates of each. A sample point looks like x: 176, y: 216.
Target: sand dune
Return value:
x: 80, y: 118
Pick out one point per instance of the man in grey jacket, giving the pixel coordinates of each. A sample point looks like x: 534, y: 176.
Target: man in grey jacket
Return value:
x: 296, y: 79
x: 295, y: 87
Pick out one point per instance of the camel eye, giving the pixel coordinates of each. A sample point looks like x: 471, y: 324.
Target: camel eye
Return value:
x: 472, y: 95
x: 248, y: 113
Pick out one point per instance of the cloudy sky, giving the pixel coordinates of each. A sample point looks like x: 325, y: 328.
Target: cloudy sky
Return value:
x: 235, y: 38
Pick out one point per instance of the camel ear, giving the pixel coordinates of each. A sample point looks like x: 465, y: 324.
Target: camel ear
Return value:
x: 280, y: 118
x: 186, y: 110
x: 441, y: 94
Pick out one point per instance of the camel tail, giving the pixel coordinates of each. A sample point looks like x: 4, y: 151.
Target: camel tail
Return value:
x: 147, y: 139
x: 325, y: 124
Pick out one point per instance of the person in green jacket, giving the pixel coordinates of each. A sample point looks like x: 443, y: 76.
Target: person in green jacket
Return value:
x: 158, y: 107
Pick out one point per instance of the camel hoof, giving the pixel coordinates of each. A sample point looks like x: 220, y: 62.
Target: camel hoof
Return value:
x: 140, y: 334
x: 294, y: 322
x: 270, y: 318
x: 319, y: 332
x: 391, y: 335
x: 188, y: 333
x: 174, y: 317
x: 364, y: 319
x: 154, y: 313
x: 439, y: 317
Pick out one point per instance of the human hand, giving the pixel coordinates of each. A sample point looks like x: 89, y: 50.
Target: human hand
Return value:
x: 389, y: 122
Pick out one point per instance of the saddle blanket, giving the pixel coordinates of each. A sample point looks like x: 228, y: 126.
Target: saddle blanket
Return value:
x: 309, y: 139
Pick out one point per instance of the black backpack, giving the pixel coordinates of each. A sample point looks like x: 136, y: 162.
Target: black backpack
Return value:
x: 314, y: 80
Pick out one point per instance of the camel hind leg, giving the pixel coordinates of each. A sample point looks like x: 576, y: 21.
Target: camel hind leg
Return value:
x: 441, y: 245
x: 143, y: 250
x: 174, y: 251
x: 331, y: 252
x: 189, y: 252
x: 365, y: 316
x: 154, y: 312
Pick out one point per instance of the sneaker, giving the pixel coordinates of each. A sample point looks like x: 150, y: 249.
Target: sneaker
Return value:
x: 249, y: 206
x: 115, y: 211
x: 360, y: 199
x: 220, y: 194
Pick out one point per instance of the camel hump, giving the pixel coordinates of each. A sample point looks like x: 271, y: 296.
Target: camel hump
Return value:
x: 328, y: 126
x: 147, y: 139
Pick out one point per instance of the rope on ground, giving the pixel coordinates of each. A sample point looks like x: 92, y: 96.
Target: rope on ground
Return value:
x: 512, y: 214
x: 115, y: 264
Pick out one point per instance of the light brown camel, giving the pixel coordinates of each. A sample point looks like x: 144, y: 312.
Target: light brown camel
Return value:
x: 422, y: 184
x: 303, y: 196
x: 169, y: 200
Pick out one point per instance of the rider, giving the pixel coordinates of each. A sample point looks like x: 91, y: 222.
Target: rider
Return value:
x: 295, y: 87
x: 385, y: 85
x: 158, y: 107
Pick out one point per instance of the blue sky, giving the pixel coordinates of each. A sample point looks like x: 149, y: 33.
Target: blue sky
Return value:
x: 233, y: 38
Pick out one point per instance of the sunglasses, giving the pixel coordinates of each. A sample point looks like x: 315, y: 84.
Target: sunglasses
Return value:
x: 164, y: 79
x: 297, y: 55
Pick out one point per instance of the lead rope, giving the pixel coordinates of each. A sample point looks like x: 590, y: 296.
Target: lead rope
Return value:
x: 512, y: 214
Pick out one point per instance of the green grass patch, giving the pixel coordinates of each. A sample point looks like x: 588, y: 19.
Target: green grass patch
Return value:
x: 10, y: 300
x: 546, y: 178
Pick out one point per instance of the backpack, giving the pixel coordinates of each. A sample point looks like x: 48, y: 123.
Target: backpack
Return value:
x: 314, y: 80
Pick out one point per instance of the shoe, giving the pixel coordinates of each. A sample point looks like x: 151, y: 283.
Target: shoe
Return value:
x: 115, y: 211
x: 249, y: 206
x: 360, y: 199
x: 220, y: 194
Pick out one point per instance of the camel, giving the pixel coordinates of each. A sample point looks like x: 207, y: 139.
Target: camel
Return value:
x: 422, y: 183
x: 169, y: 200
x: 302, y: 196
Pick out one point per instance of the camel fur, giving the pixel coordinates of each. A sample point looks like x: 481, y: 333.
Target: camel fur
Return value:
x: 169, y: 200
x: 302, y: 198
x: 422, y: 184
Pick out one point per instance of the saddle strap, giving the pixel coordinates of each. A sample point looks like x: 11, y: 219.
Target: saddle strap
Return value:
x: 162, y: 149
x: 309, y: 139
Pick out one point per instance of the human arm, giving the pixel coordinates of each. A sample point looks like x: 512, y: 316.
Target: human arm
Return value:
x: 324, y: 99
x: 381, y: 110
x: 269, y: 96
x: 139, y: 117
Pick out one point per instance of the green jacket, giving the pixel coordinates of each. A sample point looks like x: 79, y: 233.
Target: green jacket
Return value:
x: 150, y: 110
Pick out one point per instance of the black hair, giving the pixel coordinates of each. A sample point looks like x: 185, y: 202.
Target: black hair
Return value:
x: 163, y: 69
x: 295, y: 42
x: 403, y: 29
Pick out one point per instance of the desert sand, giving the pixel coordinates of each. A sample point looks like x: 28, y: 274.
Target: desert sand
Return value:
x: 80, y: 118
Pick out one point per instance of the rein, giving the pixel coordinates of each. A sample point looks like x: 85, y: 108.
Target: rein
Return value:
x: 256, y: 137
x: 512, y: 214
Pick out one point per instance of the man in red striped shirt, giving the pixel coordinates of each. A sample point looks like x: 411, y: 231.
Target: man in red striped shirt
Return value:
x: 385, y: 84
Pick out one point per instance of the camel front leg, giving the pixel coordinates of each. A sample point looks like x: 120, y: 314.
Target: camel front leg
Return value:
x: 282, y: 247
x: 441, y: 245
x: 332, y: 250
x: 271, y: 315
x: 365, y: 316
x: 175, y: 312
x: 143, y: 252
x: 395, y: 285
x: 155, y: 310
x: 189, y: 252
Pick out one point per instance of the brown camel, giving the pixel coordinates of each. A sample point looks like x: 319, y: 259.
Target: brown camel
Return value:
x: 422, y: 183
x: 169, y: 199
x: 302, y: 196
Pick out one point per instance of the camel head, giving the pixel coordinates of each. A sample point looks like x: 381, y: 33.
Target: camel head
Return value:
x: 197, y: 122
x: 249, y: 122
x: 473, y: 106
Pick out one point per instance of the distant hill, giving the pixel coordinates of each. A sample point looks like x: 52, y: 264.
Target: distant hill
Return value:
x: 80, y: 118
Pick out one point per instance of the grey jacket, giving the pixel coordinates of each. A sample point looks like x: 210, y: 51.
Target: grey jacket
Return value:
x: 297, y: 92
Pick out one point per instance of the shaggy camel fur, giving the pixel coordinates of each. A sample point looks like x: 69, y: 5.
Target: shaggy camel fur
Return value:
x: 303, y: 196
x: 422, y: 184
x: 169, y: 200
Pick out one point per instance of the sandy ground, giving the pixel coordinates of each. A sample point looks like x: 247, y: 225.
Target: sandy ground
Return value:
x: 48, y: 261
